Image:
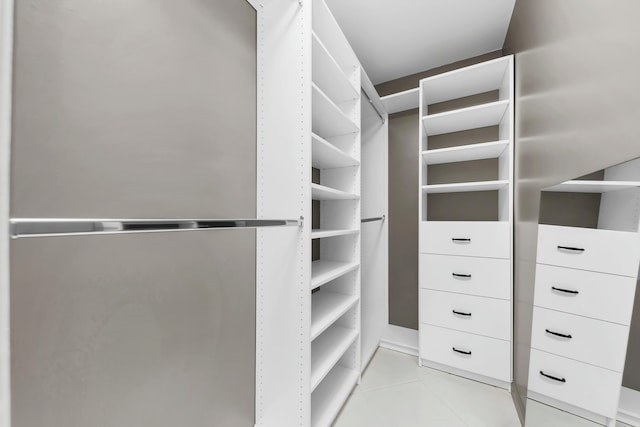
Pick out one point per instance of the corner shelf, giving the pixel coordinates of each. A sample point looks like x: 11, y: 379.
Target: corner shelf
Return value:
x: 325, y: 271
x: 587, y: 186
x: 320, y: 233
x: 327, y: 350
x: 326, y: 155
x: 328, y: 75
x: 465, y: 186
x: 328, y: 398
x: 328, y: 119
x: 320, y: 192
x: 477, y: 116
x: 463, y: 153
x: 326, y: 308
x: 401, y: 101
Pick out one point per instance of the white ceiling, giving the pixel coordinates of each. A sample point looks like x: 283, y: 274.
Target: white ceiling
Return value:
x: 396, y: 38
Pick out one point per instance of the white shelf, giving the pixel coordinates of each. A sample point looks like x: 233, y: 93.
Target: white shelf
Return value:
x: 326, y: 155
x: 330, y: 396
x: 463, y: 153
x: 593, y: 186
x: 465, y: 186
x: 326, y: 271
x: 328, y: 75
x: 328, y: 119
x: 474, y: 117
x: 472, y: 80
x: 326, y: 308
x: 320, y: 234
x: 401, y: 101
x: 327, y: 29
x: 320, y: 192
x: 629, y: 406
x: 327, y: 349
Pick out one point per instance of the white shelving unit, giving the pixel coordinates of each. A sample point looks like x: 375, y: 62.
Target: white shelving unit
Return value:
x: 330, y: 395
x: 467, y: 240
x: 325, y: 271
x: 577, y: 186
x: 321, y: 192
x: 401, y: 101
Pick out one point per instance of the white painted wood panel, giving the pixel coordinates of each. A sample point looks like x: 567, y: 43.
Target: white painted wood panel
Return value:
x: 460, y: 187
x: 465, y: 238
x: 474, y: 117
x: 464, y: 153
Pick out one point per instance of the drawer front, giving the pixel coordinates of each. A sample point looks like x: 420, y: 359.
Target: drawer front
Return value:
x: 591, y: 341
x: 585, y: 386
x: 484, y: 316
x: 483, y: 239
x: 597, y: 295
x: 614, y: 252
x: 489, y: 356
x: 488, y: 277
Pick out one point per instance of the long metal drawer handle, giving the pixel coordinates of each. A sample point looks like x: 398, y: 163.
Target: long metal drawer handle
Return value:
x: 570, y: 248
x: 461, y: 240
x: 558, y: 334
x: 461, y: 313
x: 467, y: 352
x: 561, y: 380
x: 566, y: 291
x: 466, y: 276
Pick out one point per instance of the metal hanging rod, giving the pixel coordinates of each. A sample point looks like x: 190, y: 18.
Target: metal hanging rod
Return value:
x: 32, y: 227
x: 378, y: 218
x: 372, y: 95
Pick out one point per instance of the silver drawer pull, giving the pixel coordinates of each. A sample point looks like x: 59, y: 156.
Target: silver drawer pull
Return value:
x: 462, y: 276
x: 559, y: 379
x: 565, y: 291
x: 558, y: 334
x: 461, y: 240
x: 570, y: 249
x: 467, y: 352
x: 461, y: 313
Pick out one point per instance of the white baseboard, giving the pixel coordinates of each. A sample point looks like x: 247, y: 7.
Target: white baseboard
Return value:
x: 400, y: 339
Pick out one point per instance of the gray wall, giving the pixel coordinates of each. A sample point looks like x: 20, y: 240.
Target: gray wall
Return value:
x: 577, y: 107
x: 403, y: 197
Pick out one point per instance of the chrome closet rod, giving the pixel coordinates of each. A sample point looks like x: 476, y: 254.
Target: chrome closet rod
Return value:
x: 378, y: 218
x: 43, y: 227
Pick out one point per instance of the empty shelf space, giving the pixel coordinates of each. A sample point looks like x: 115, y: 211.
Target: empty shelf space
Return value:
x: 325, y: 271
x: 593, y: 186
x: 465, y: 186
x: 320, y: 192
x: 326, y: 155
x: 328, y: 75
x: 327, y: 349
x: 463, y: 153
x: 401, y: 101
x: 467, y: 81
x: 329, y: 397
x: 328, y: 119
x: 326, y: 308
x: 474, y: 117
x: 320, y: 234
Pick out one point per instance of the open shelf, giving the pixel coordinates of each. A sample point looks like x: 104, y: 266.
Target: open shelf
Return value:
x: 320, y: 192
x: 593, y: 186
x: 463, y: 153
x: 328, y: 398
x: 326, y: 155
x: 328, y: 75
x: 320, y: 234
x: 326, y: 308
x: 467, y: 81
x: 328, y: 119
x: 465, y: 186
x: 327, y: 349
x: 401, y: 101
x: 326, y: 271
x: 474, y: 117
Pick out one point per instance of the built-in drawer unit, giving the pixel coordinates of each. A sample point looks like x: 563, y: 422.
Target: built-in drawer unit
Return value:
x: 615, y: 252
x: 474, y: 353
x: 480, y: 239
x: 597, y: 295
x: 587, y: 340
x: 576, y: 383
x: 478, y: 315
x: 488, y: 277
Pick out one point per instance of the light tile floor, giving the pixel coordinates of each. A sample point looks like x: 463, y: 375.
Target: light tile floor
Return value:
x: 539, y: 415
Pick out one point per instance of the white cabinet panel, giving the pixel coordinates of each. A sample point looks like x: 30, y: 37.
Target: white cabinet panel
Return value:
x: 615, y: 252
x: 597, y: 295
x: 481, y: 239
x: 478, y: 315
x: 488, y: 277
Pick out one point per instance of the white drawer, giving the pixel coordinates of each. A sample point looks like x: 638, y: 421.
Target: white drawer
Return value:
x: 487, y: 356
x: 597, y: 295
x: 478, y: 315
x: 585, y: 386
x: 591, y: 341
x: 483, y: 239
x: 489, y: 277
x: 615, y: 252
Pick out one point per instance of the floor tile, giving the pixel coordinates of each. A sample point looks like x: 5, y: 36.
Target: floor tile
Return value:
x: 388, y: 368
x: 357, y: 413
x: 541, y: 415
